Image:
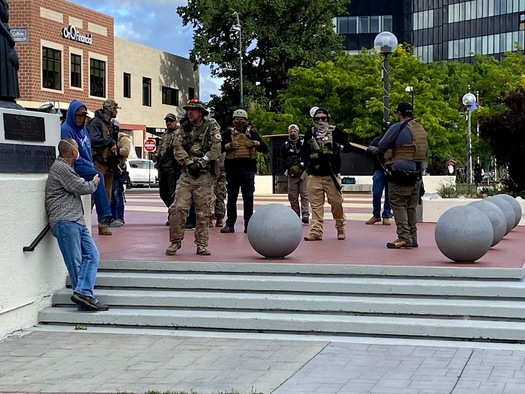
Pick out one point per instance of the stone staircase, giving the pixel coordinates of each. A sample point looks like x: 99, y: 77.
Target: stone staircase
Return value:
x: 412, y: 302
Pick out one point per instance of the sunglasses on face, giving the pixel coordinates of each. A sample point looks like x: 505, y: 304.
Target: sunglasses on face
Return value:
x: 320, y: 118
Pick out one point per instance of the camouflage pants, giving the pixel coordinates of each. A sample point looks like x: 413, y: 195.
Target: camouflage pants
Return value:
x: 218, y: 206
x: 201, y: 189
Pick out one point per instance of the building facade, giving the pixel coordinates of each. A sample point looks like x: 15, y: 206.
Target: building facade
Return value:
x: 69, y: 52
x: 438, y: 29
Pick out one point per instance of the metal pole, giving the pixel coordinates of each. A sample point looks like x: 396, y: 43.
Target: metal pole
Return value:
x: 386, y: 97
x: 240, y: 60
x: 469, y: 147
x: 240, y: 65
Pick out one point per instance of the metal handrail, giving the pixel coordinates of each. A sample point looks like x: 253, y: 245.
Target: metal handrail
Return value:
x: 37, y: 240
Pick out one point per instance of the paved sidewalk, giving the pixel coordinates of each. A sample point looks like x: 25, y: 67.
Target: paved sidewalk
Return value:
x: 103, y: 362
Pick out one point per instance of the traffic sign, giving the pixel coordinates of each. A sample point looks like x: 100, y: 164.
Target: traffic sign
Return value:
x: 150, y: 145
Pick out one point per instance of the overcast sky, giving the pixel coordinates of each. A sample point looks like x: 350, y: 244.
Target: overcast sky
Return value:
x: 154, y: 23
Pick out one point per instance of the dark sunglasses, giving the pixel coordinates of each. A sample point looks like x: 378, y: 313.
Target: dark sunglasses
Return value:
x: 323, y: 118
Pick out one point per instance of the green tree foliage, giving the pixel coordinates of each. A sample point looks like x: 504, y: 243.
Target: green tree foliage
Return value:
x: 277, y: 35
x: 504, y: 132
x: 350, y: 87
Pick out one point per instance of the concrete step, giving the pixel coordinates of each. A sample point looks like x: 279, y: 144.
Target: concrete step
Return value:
x: 301, y: 323
x: 305, y: 284
x: 466, y: 271
x: 454, y: 303
x: 293, y: 303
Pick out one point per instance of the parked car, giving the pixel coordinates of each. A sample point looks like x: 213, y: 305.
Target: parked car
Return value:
x: 141, y: 172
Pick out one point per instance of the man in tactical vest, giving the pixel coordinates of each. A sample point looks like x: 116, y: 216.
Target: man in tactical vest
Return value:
x: 103, y: 145
x: 196, y: 146
x: 241, y: 144
x: 295, y: 170
x: 408, y: 141
x: 323, y: 147
x: 165, y: 162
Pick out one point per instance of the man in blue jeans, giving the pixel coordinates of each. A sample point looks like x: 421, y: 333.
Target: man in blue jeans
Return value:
x: 74, y: 128
x: 379, y: 184
x: 66, y: 219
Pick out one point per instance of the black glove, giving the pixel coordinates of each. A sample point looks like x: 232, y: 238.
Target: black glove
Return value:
x: 194, y: 170
x: 373, y: 150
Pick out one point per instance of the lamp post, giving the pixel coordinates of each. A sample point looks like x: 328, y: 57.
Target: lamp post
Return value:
x: 468, y: 101
x: 237, y: 28
x: 385, y: 43
x: 410, y: 89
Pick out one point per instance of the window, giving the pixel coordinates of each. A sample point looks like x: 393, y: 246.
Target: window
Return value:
x: 170, y: 96
x: 146, y: 91
x: 191, y: 93
x: 51, y: 68
x: 76, y: 71
x: 97, y: 78
x: 364, y: 26
x: 127, y: 85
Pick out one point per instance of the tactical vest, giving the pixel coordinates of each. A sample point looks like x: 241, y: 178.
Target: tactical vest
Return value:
x: 197, y: 142
x: 243, y: 152
x: 415, y: 151
x: 293, y: 148
x: 325, y: 143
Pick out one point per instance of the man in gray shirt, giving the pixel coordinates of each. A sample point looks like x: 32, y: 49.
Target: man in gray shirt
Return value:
x: 66, y: 219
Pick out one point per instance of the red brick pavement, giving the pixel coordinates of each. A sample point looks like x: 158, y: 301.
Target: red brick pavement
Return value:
x: 145, y: 237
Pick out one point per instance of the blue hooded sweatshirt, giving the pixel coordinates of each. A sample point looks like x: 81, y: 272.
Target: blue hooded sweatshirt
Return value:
x: 69, y: 129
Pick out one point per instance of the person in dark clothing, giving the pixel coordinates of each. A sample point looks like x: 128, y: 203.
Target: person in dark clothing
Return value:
x: 295, y: 170
x: 407, y: 146
x: 379, y: 184
x: 324, y: 145
x: 241, y: 144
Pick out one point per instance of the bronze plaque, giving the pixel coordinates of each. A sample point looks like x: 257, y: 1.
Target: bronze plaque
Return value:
x: 26, y: 159
x: 24, y: 128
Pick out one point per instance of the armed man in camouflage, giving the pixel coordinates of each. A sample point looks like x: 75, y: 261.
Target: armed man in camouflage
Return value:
x: 196, y: 147
x: 165, y: 162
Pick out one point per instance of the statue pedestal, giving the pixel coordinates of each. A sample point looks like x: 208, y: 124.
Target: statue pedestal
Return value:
x: 28, y: 143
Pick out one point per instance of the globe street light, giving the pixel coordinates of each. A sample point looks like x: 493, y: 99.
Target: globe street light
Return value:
x: 237, y: 28
x: 385, y: 43
x: 468, y: 101
x: 410, y: 89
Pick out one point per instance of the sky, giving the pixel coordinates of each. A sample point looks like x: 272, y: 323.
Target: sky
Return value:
x: 156, y: 24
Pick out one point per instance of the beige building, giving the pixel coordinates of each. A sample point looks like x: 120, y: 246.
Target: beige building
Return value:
x: 149, y: 84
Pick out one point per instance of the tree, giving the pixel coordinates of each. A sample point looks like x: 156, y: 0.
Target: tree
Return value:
x: 277, y: 35
x: 350, y: 87
x: 505, y: 134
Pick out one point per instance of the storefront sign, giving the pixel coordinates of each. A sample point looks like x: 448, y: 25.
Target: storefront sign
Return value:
x: 71, y: 33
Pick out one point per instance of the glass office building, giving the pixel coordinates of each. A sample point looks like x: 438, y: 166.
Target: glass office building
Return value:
x: 438, y: 29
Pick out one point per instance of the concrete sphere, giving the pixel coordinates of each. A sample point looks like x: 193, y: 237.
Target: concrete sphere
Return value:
x: 515, y: 205
x: 462, y: 234
x: 507, y: 210
x: 496, y: 217
x: 274, y: 231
